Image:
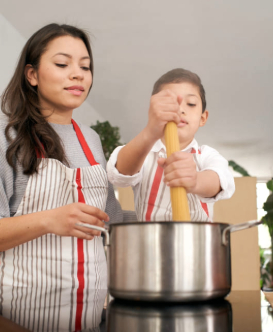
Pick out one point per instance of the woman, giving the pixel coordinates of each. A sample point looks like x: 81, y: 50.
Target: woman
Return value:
x: 52, y: 179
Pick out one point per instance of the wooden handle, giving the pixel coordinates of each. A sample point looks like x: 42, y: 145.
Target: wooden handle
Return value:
x: 179, y: 199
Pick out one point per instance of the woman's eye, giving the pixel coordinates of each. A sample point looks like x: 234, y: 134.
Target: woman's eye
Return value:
x: 191, y: 105
x: 86, y: 68
x: 61, y: 65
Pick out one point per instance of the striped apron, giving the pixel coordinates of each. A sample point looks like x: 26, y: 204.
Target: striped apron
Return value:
x: 154, y: 202
x: 54, y: 282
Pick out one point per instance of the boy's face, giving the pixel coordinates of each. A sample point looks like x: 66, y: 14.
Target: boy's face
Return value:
x: 190, y: 111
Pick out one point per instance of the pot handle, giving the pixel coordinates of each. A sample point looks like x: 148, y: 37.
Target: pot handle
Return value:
x: 97, y: 228
x: 238, y: 227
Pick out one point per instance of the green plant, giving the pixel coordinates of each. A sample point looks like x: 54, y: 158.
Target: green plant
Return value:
x: 109, y: 137
x: 268, y: 218
x: 268, y: 207
x: 265, y: 272
x: 237, y: 168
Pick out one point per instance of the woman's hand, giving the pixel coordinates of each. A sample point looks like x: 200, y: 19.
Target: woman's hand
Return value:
x: 60, y: 221
x: 180, y: 171
x: 63, y: 220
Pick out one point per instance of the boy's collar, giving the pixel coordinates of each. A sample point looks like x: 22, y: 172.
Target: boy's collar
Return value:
x: 158, y: 146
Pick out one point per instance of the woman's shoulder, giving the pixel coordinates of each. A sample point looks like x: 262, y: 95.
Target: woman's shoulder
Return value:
x: 3, y: 121
x: 3, y: 124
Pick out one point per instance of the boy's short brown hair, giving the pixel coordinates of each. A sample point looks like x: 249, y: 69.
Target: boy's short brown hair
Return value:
x: 180, y: 75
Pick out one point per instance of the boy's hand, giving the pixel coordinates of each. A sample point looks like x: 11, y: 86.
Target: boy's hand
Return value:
x: 164, y: 107
x: 180, y: 171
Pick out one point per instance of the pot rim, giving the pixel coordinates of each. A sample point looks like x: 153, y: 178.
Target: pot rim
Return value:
x: 168, y: 222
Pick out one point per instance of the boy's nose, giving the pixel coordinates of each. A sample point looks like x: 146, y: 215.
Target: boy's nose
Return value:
x: 182, y: 109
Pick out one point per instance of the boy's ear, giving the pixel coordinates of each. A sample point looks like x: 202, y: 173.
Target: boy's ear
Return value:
x: 204, y: 118
x: 31, y: 75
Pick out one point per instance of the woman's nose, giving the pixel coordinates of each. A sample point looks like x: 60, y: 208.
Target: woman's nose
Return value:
x: 76, y: 73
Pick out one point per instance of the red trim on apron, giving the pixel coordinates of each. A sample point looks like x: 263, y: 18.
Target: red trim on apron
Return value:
x: 80, y: 271
x: 38, y: 153
x: 205, y: 208
x: 204, y: 205
x: 153, y: 193
x: 84, y: 145
x: 194, y: 151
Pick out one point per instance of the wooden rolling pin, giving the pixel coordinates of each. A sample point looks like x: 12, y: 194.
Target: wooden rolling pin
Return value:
x: 179, y: 199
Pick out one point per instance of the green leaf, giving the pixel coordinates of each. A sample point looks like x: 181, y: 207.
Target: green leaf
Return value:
x: 269, y: 185
x: 268, y: 205
x: 109, y: 137
x: 237, y: 168
x: 268, y: 221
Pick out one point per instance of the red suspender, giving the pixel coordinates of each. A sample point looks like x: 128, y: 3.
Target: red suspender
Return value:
x: 153, y: 193
x: 205, y: 208
x: 204, y: 205
x: 80, y: 270
x: 84, y: 145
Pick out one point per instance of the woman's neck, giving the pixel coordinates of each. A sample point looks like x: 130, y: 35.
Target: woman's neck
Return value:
x: 58, y: 117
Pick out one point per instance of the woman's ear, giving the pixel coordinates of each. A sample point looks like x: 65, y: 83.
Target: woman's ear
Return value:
x: 31, y: 75
x: 204, y: 118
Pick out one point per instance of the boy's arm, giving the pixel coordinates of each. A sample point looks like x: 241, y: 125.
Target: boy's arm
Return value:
x: 213, y: 161
x: 164, y: 107
x: 131, y: 157
x: 207, y: 184
x: 213, y: 182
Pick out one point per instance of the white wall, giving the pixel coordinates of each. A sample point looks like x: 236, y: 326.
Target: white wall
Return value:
x: 11, y: 44
x: 87, y: 115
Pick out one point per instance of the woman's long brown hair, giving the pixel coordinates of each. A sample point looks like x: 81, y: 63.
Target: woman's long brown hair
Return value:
x: 20, y: 102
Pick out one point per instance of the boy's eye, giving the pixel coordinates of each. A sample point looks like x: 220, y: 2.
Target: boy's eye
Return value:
x: 86, y: 68
x: 61, y: 65
x: 191, y: 105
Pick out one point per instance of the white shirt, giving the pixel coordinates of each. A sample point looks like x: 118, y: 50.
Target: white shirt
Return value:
x: 206, y: 158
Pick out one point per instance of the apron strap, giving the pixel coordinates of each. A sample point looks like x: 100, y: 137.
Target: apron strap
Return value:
x: 84, y: 145
x: 153, y: 193
x: 204, y: 205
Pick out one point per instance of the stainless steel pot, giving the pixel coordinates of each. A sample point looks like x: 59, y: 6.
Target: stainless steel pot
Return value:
x: 170, y: 261
x: 206, y: 317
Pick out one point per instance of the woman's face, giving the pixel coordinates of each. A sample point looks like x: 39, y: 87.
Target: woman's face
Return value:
x: 63, y: 78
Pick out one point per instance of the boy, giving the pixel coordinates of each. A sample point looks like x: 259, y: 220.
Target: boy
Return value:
x: 177, y: 96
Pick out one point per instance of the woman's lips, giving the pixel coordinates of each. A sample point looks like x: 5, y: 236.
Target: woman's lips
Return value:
x: 75, y: 90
